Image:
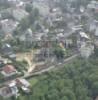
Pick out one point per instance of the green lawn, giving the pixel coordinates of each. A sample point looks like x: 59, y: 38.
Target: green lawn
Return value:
x: 33, y: 81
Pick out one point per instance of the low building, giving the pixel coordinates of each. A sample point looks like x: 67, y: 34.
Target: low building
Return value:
x: 8, y: 25
x: 19, y: 14
x: 7, y: 50
x: 6, y: 92
x: 82, y: 38
x: 8, y: 70
x: 17, y: 3
x: 22, y: 82
x: 42, y: 6
x: 9, y: 91
x: 13, y: 87
x: 93, y: 5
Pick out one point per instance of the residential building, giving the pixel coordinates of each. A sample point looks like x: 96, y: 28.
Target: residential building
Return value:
x: 8, y: 91
x: 23, y: 84
x: 8, y: 25
x: 8, y: 70
x: 19, y: 14
x: 16, y: 3
x: 82, y: 38
x: 42, y: 6
x: 7, y: 50
x: 93, y: 5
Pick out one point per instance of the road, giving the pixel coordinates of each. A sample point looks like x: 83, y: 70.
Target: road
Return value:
x: 59, y: 65
x: 52, y: 67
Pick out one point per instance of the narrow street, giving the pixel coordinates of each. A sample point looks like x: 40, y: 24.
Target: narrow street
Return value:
x: 49, y: 68
x: 59, y: 65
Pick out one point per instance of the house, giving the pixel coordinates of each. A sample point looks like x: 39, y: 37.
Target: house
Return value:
x: 7, y: 50
x: 8, y: 70
x: 23, y: 84
x: 82, y: 38
x: 19, y: 14
x: 42, y: 6
x: 82, y: 9
x: 1, y: 63
x: 84, y: 35
x: 9, y: 90
x: 55, y: 12
x: 8, y: 25
x: 16, y: 3
x: 13, y: 87
x: 6, y: 92
x: 93, y: 5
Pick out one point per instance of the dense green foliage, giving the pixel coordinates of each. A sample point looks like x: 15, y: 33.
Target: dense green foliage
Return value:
x: 59, y: 52
x: 76, y: 81
x: 28, y: 8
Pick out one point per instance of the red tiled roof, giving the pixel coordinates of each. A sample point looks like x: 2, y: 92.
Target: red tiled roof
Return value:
x: 9, y: 69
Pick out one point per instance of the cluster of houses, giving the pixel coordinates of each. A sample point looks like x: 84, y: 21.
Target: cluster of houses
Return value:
x: 12, y: 88
x: 8, y: 71
x: 81, y: 23
x: 10, y: 17
x: 86, y: 32
x: 7, y: 51
x: 64, y: 24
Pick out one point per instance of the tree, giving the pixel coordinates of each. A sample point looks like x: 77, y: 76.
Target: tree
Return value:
x: 24, y: 23
x: 95, y: 89
x: 28, y: 8
x: 68, y: 83
x: 64, y: 98
x: 34, y: 15
x: 59, y: 52
x: 96, y: 51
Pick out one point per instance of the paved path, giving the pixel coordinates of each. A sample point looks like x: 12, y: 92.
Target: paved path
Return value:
x: 59, y: 65
x: 52, y: 67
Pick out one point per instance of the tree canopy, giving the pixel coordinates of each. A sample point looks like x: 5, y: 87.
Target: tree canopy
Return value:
x: 76, y: 81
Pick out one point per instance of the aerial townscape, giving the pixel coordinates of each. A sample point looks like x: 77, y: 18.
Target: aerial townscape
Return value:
x: 48, y: 49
